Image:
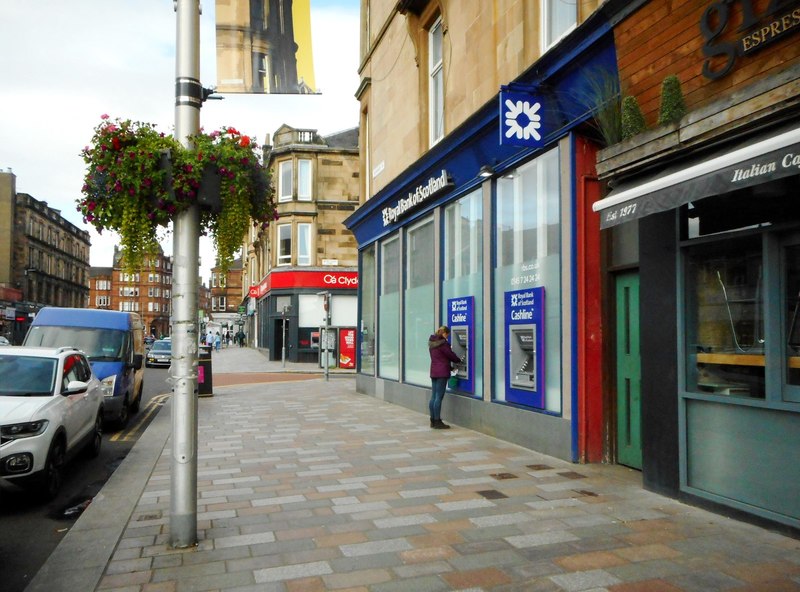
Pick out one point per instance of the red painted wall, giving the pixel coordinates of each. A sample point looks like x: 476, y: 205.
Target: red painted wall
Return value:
x: 590, y: 329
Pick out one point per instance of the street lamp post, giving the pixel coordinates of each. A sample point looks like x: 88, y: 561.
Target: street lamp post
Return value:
x: 283, y: 339
x: 186, y: 247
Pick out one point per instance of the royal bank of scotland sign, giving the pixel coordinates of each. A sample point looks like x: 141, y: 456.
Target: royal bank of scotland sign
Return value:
x: 521, y: 118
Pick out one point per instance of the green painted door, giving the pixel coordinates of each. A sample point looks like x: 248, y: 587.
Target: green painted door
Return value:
x: 629, y: 390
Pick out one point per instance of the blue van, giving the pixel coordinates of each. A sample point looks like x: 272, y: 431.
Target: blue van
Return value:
x: 114, y: 343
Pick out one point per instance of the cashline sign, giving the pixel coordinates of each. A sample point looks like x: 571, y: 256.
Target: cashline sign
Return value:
x: 461, y: 320
x: 524, y: 320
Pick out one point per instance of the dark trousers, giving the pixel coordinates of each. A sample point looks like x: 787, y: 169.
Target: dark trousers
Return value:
x: 438, y: 387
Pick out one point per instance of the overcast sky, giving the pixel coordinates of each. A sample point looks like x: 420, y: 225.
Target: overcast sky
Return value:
x: 65, y: 63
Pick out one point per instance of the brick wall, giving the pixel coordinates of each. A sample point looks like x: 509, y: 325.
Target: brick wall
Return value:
x: 664, y: 38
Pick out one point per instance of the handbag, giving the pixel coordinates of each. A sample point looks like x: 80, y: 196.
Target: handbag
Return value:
x: 452, y: 382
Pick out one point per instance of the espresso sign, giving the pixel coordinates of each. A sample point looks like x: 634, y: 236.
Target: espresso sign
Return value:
x: 780, y: 19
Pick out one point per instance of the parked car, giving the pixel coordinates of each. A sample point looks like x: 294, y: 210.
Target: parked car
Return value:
x: 114, y: 343
x: 160, y: 354
x: 51, y: 407
x: 4, y: 341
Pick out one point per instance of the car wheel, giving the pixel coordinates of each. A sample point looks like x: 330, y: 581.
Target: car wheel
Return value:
x: 124, y: 414
x: 52, y: 475
x: 93, y: 447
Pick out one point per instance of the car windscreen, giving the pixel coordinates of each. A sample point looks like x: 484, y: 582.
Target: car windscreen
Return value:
x: 100, y: 345
x: 162, y: 346
x: 27, y: 376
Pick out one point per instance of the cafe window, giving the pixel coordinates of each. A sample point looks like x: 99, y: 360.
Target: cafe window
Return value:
x: 725, y: 318
x: 741, y: 296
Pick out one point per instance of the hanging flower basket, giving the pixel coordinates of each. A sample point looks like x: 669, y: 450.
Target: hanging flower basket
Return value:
x: 138, y: 179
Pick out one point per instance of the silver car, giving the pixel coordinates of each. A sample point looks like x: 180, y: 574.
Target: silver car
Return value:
x: 160, y: 354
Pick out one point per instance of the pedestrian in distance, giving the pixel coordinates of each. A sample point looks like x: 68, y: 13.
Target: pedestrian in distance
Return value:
x: 442, y: 358
x: 217, y: 341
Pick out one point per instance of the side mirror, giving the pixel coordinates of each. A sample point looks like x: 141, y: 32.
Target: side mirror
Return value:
x: 76, y: 387
x: 137, y: 361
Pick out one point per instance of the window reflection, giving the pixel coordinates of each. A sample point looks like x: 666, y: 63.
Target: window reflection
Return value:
x: 725, y: 322
x: 792, y: 265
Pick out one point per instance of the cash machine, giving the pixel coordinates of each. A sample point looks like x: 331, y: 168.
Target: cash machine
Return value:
x: 522, y: 356
x: 460, y: 347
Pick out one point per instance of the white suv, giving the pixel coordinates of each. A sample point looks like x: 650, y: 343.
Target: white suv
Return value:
x: 51, y: 407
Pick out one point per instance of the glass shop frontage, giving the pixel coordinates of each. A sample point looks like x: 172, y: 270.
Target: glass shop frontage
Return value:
x: 490, y: 239
x: 719, y: 281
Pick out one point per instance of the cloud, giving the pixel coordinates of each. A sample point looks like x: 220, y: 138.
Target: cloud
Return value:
x: 66, y: 63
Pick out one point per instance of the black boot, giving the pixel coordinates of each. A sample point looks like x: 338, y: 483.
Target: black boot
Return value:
x: 433, y: 423
x: 440, y: 425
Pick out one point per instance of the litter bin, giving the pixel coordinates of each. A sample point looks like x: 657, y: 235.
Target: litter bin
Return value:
x: 204, y: 375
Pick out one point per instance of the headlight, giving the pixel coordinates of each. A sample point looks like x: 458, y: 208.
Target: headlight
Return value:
x: 23, y: 430
x: 107, y: 384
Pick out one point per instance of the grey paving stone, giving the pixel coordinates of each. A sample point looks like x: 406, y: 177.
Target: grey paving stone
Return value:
x: 422, y: 569
x: 375, y: 547
x: 705, y: 581
x: 188, y: 571
x: 379, y: 560
x: 420, y: 584
x: 542, y: 538
x: 585, y: 580
x: 646, y: 570
x: 291, y: 572
x: 224, y: 581
x: 484, y: 560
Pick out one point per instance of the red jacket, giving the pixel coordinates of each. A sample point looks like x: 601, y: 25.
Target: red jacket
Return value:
x: 441, y: 356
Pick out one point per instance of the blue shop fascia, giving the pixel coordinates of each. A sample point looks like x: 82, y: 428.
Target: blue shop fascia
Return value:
x: 491, y: 231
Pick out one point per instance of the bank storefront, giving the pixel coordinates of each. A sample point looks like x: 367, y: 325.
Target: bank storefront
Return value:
x: 488, y: 237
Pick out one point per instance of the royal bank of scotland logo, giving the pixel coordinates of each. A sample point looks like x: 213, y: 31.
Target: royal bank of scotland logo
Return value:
x: 521, y: 121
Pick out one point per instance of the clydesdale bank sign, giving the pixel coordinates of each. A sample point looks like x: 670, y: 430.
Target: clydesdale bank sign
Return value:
x: 433, y: 187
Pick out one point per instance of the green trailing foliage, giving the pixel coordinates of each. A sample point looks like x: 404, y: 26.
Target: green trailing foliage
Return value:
x: 138, y: 180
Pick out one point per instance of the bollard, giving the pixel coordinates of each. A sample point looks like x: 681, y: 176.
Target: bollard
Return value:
x: 205, y: 387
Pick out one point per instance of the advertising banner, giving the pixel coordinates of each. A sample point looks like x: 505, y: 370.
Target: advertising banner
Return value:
x: 264, y: 46
x: 524, y: 324
x: 347, y: 347
x: 461, y: 320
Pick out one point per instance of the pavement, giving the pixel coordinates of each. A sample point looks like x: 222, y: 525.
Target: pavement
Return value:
x: 304, y: 485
